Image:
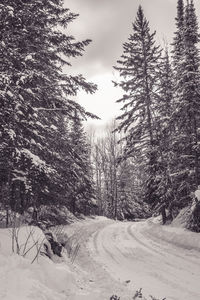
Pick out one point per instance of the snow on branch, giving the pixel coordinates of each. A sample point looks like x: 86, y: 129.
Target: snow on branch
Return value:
x: 37, y: 161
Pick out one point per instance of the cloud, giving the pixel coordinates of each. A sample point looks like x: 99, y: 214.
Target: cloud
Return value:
x: 108, y: 23
x: 103, y: 102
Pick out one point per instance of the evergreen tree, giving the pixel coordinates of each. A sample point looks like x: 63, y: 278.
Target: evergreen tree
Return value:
x: 178, y: 42
x: 131, y: 189
x: 165, y: 131
x: 34, y: 94
x: 186, y: 116
x: 191, y: 78
x: 139, y: 69
x: 82, y: 192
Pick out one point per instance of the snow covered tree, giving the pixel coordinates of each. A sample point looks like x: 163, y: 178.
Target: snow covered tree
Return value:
x: 191, y: 91
x: 186, y: 114
x: 165, y: 132
x: 34, y: 93
x: 178, y: 42
x: 139, y: 68
x: 105, y: 154
x: 118, y: 182
x: 82, y: 192
x: 113, y: 151
x: 132, y: 189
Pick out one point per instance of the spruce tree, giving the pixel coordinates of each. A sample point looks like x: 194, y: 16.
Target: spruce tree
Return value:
x: 165, y: 132
x: 186, y: 116
x: 178, y: 42
x: 191, y: 78
x: 35, y: 94
x: 139, y: 68
x: 82, y: 192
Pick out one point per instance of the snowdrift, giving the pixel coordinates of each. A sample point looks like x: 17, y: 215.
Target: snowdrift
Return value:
x: 180, y: 237
x: 21, y: 279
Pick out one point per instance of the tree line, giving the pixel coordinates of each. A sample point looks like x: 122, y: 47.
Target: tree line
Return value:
x: 150, y: 154
x: 160, y: 110
x: 117, y: 183
x: 148, y: 158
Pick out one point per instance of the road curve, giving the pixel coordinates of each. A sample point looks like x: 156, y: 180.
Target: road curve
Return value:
x: 131, y: 253
x: 122, y: 257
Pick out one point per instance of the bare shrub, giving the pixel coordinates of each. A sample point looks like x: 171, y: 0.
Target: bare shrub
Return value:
x: 138, y: 295
x: 22, y: 244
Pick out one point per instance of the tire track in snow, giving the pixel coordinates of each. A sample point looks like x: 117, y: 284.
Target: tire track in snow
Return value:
x: 163, y: 269
x: 146, y: 246
x: 181, y: 262
x: 178, y: 262
x: 100, y: 241
x: 168, y: 248
x: 95, y: 237
x: 96, y: 284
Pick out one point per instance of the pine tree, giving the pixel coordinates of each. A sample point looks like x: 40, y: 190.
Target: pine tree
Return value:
x: 139, y: 69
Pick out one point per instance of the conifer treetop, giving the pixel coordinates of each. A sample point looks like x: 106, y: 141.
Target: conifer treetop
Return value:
x: 178, y: 42
x: 139, y: 71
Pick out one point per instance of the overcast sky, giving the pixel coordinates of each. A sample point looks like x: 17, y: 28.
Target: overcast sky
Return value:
x: 109, y: 23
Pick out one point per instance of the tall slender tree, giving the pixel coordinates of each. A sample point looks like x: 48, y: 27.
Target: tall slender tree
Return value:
x: 165, y: 132
x: 191, y: 78
x: 139, y: 68
x: 178, y: 42
x: 186, y: 113
x: 82, y: 191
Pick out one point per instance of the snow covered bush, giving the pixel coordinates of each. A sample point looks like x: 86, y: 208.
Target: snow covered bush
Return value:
x: 70, y: 243
x: 114, y: 297
x: 47, y: 216
x: 138, y: 295
x: 132, y: 209
x: 38, y: 236
x: 194, y: 222
x: 55, y: 215
x: 189, y: 217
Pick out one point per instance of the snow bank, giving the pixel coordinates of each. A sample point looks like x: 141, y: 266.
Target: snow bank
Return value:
x: 180, y: 237
x: 44, y: 281
x: 197, y: 194
x: 189, y: 217
x: 21, y: 279
x: 183, y: 218
x: 26, y: 241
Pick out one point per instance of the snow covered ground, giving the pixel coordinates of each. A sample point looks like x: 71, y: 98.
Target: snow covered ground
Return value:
x: 20, y: 279
x: 164, y: 261
x: 114, y: 258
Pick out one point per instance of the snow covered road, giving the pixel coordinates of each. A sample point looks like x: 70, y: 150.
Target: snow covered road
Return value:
x: 113, y: 258
x: 121, y: 257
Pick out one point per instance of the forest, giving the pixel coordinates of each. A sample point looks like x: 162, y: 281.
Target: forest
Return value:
x: 148, y: 160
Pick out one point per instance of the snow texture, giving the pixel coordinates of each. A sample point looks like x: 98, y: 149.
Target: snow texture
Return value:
x: 21, y: 280
x: 114, y: 258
